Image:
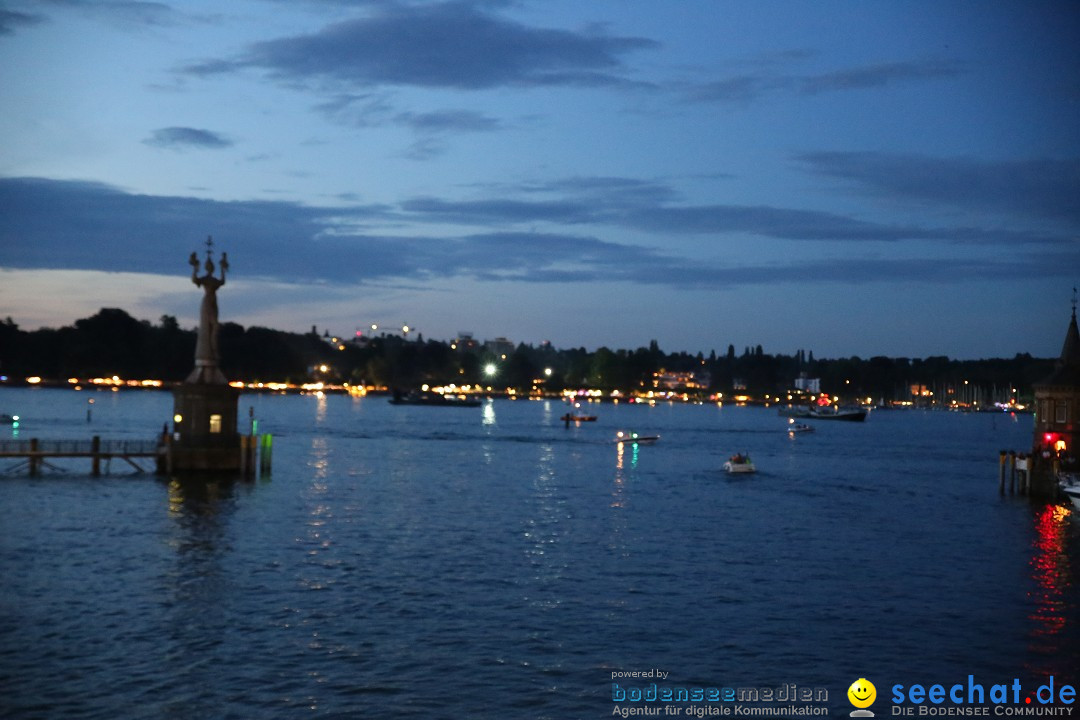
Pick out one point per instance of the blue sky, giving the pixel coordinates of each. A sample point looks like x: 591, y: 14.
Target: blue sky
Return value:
x: 886, y: 178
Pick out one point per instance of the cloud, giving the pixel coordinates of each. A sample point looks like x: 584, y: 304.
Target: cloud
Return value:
x: 1043, y: 189
x: 432, y: 127
x: 875, y: 76
x: 752, y: 86
x: 441, y: 45
x: 644, y: 207
x: 131, y: 14
x: 11, y: 19
x: 51, y: 224
x: 498, y: 211
x: 84, y: 225
x: 179, y: 138
x: 448, y: 121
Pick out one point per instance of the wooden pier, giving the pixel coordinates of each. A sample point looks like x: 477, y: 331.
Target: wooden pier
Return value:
x: 254, y: 453
x: 37, y: 453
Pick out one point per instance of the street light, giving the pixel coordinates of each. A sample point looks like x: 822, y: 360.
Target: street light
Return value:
x: 490, y: 369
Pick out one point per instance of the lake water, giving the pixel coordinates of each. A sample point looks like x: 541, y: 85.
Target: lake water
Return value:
x: 419, y: 562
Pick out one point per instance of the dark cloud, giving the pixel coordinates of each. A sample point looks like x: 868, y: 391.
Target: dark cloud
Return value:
x: 608, y: 191
x: 765, y: 221
x: 875, y: 76
x: 448, y: 121
x: 499, y: 211
x: 644, y: 207
x: 126, y: 13
x: 11, y: 19
x: 360, y: 110
x: 432, y: 127
x: 81, y: 225
x: 441, y: 45
x: 78, y: 225
x: 178, y: 138
x: 752, y: 86
x: 1043, y: 189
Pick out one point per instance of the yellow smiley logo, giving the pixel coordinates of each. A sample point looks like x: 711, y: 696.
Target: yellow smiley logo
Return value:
x: 862, y: 693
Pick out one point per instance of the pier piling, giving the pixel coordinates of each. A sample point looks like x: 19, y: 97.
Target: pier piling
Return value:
x: 34, y: 460
x: 1001, y: 472
x: 1012, y: 471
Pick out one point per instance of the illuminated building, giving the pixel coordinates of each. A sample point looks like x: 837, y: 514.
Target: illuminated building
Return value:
x: 1057, y: 401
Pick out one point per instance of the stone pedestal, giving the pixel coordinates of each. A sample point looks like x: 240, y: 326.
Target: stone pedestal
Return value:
x: 205, y: 437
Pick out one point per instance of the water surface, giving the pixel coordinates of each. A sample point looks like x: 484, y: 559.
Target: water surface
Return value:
x: 418, y: 562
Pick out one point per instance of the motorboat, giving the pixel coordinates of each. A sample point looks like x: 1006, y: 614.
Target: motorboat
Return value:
x: 831, y: 412
x: 574, y: 417
x: 739, y: 463
x: 634, y: 438
x: 798, y: 427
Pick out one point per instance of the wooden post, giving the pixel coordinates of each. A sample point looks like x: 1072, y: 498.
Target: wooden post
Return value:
x: 243, y: 455
x: 95, y: 456
x: 267, y: 447
x: 1001, y: 472
x: 1012, y: 472
x: 35, y: 461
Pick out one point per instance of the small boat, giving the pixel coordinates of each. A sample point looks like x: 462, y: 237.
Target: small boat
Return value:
x: 6, y: 419
x: 634, y: 439
x: 798, y: 427
x: 740, y: 463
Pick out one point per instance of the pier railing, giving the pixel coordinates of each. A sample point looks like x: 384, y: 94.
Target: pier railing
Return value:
x: 36, y: 453
x: 252, y: 453
x: 79, y: 448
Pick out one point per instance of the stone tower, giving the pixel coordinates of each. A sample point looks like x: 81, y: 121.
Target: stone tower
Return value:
x: 204, y: 405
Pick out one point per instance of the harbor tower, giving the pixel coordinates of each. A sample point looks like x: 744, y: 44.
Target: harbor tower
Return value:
x: 204, y: 433
x: 1057, y: 403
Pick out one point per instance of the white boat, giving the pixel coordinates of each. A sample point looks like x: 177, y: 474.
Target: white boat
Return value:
x: 739, y: 463
x: 635, y: 439
x: 1070, y: 486
x: 1073, y: 491
x: 798, y: 427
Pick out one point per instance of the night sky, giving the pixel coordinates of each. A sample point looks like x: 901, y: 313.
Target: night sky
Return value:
x: 848, y: 178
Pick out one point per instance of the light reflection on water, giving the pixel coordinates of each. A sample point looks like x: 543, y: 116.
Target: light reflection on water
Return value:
x: 490, y: 562
x: 1054, y: 599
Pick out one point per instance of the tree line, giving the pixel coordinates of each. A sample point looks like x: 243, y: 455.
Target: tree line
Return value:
x: 112, y: 342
